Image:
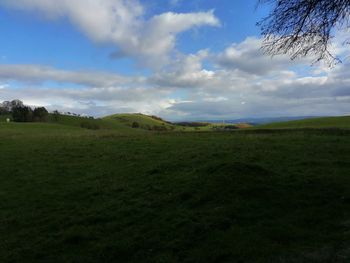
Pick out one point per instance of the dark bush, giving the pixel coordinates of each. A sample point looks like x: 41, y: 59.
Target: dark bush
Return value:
x: 159, y: 128
x: 56, y: 115
x: 22, y: 114
x: 225, y: 128
x: 89, y: 125
x: 40, y: 114
x: 147, y: 127
x: 231, y: 127
x: 135, y: 125
x: 4, y: 111
x: 193, y: 124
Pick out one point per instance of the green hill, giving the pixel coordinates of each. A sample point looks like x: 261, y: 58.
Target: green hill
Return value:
x: 155, y: 123
x: 67, y: 123
x: 91, y: 123
x: 326, y: 122
x: 137, y: 122
x: 141, y: 121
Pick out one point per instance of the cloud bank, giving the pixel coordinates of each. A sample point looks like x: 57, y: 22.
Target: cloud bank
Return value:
x: 238, y: 81
x: 122, y: 23
x: 187, y: 89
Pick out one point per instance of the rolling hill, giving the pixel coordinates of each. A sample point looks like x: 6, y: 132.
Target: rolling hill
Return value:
x: 154, y: 123
x: 317, y: 123
x: 138, y: 120
x: 135, y: 122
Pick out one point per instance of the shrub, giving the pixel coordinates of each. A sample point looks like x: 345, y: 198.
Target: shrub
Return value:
x: 193, y: 124
x: 225, y: 128
x: 4, y: 111
x: 135, y: 125
x: 22, y: 114
x: 40, y: 114
x: 147, y: 127
x: 89, y: 125
x: 159, y: 128
x: 55, y: 115
x: 231, y: 127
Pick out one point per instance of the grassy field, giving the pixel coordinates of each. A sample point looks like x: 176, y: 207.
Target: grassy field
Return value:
x: 4, y: 117
x: 330, y: 122
x: 115, y: 194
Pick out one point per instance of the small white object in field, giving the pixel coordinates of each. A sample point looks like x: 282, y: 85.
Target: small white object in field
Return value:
x: 8, y: 120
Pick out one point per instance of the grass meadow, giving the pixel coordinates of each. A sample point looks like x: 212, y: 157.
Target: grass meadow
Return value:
x: 111, y: 195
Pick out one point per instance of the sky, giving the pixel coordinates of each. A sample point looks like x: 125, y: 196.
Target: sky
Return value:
x: 180, y: 60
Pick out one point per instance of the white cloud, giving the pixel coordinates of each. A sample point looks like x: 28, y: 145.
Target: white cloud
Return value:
x: 122, y: 22
x: 92, y: 101
x: 227, y: 95
x: 40, y: 74
x: 186, y: 71
x: 158, y: 36
x: 248, y: 57
x: 191, y: 87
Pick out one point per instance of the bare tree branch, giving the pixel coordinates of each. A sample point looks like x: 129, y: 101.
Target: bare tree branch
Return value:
x: 303, y: 27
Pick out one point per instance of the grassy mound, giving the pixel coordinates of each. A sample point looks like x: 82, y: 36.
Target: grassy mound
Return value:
x: 141, y: 121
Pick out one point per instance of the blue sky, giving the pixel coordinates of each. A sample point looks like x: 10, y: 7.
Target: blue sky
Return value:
x: 195, y: 59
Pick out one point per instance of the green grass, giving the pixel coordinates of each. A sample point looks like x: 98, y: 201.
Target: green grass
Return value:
x: 328, y: 122
x: 114, y: 195
x: 4, y: 117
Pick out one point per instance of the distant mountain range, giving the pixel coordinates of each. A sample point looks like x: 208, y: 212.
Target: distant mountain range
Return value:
x: 263, y: 120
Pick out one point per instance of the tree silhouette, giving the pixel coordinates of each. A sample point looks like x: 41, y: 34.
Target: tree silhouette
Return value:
x: 22, y: 114
x: 303, y: 27
x: 40, y: 114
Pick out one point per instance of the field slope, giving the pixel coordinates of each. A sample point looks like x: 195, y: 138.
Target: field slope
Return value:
x: 326, y: 122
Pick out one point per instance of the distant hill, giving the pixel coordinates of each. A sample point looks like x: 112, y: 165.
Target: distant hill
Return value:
x: 134, y: 123
x: 325, y: 122
x: 138, y: 122
x: 263, y: 120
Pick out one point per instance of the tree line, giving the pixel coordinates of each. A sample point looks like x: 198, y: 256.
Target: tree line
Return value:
x: 23, y: 113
